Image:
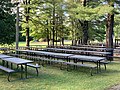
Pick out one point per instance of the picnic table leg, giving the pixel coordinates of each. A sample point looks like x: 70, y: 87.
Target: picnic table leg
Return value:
x: 97, y: 66
x: 82, y: 61
x: 11, y: 65
x: 21, y: 71
x: 68, y: 59
x: 25, y: 70
x: 75, y: 61
x: 3, y: 62
x: 7, y: 64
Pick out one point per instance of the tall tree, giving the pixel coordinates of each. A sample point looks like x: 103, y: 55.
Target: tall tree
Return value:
x: 42, y: 18
x: 109, y: 27
x: 27, y: 11
x: 7, y: 22
x: 85, y: 26
x: 92, y: 14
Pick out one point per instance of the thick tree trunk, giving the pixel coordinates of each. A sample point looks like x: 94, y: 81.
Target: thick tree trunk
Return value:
x: 85, y: 27
x: 109, y: 33
x: 85, y: 32
x: 27, y: 11
x: 109, y: 30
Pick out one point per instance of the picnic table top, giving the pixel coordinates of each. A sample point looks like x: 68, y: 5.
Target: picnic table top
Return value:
x: 17, y: 60
x: 46, y: 53
x: 84, y: 48
x: 87, y: 58
x: 78, y: 51
x: 91, y: 48
x: 4, y: 56
x: 97, y: 46
x: 83, y: 57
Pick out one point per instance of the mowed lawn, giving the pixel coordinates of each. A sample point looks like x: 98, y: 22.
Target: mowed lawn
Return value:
x: 42, y: 43
x: 52, y: 78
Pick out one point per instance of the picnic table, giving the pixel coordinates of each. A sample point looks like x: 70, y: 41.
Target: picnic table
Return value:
x: 84, y: 48
x: 83, y: 58
x: 44, y: 53
x: 96, y: 46
x: 87, y: 52
x: 4, y: 56
x: 68, y: 57
x: 17, y: 61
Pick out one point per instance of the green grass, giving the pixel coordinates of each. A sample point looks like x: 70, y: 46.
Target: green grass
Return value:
x: 39, y: 43
x: 36, y: 44
x: 52, y: 78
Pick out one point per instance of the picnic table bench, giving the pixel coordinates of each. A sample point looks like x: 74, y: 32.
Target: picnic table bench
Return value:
x: 81, y: 65
x: 34, y: 66
x: 8, y: 70
x: 17, y: 61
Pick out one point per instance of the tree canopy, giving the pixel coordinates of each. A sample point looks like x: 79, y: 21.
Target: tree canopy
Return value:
x: 58, y: 19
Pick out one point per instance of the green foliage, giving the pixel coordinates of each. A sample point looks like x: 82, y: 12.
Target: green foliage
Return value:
x: 117, y: 26
x: 67, y: 16
x: 7, y: 22
x: 41, y: 17
x: 97, y: 30
x: 95, y: 12
x: 88, y: 13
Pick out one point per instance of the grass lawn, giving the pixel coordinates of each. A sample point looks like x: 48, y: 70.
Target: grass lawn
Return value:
x: 40, y: 43
x: 52, y: 78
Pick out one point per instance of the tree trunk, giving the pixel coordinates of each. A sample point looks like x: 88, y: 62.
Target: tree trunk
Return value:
x: 27, y: 37
x: 27, y: 11
x: 48, y: 40
x: 109, y: 33
x: 85, y: 27
x: 53, y: 22
x: 62, y: 41
x: 85, y: 32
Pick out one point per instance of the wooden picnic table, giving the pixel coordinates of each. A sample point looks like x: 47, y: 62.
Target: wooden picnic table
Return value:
x: 62, y: 54
x: 69, y: 56
x: 87, y: 52
x: 4, y: 56
x: 90, y: 48
x: 49, y: 54
x: 18, y: 61
x: 83, y: 58
x: 96, y: 46
x: 84, y: 48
